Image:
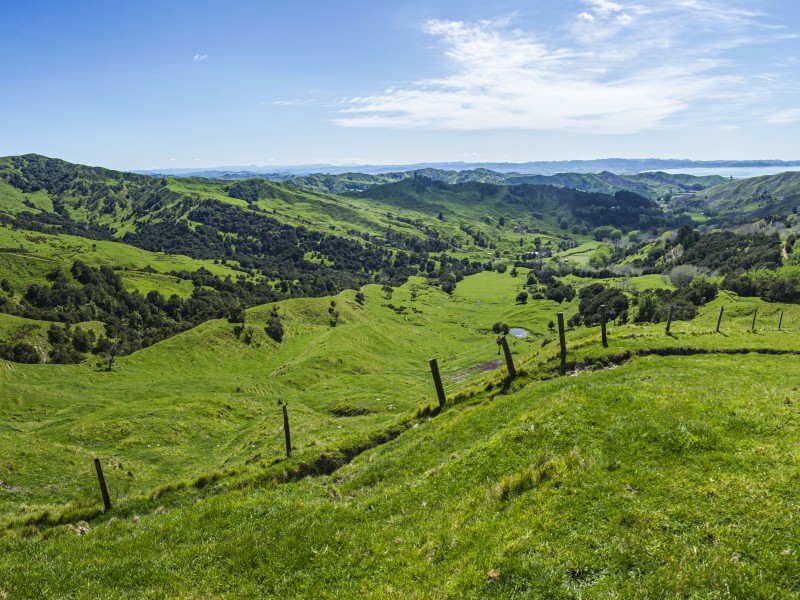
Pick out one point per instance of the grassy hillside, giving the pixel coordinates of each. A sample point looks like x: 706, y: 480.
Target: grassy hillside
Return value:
x: 586, y: 483
x: 28, y: 257
x: 659, y: 466
x: 156, y: 214
x: 224, y: 391
x: 652, y: 184
x: 543, y: 205
x: 747, y: 200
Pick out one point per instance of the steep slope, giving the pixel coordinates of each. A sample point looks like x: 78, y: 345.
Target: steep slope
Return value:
x: 207, y: 399
x: 663, y: 477
x: 746, y: 200
x: 313, y: 242
x: 551, y: 206
x: 653, y: 184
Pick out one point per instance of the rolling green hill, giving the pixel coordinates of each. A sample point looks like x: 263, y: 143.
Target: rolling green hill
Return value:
x: 546, y: 203
x: 659, y: 466
x: 535, y: 487
x: 652, y: 184
x: 747, y: 200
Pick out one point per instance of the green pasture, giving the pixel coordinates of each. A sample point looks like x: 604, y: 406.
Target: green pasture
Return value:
x: 664, y: 477
x: 545, y: 486
x: 581, y: 254
x: 30, y: 256
x: 206, y: 399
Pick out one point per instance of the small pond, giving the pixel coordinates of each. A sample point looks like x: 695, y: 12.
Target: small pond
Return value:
x: 518, y: 332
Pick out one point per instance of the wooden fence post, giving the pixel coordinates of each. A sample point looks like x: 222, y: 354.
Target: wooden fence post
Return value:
x: 719, y: 318
x: 753, y: 326
x: 780, y: 321
x: 603, y: 325
x: 669, y: 320
x: 563, y: 341
x: 437, y: 381
x: 103, y: 488
x: 287, y: 435
x: 512, y: 372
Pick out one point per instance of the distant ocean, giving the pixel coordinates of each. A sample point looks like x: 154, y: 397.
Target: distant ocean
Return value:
x: 735, y: 172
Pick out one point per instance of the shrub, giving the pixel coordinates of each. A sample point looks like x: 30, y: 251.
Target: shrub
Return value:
x: 274, y: 328
x: 21, y: 352
x: 682, y: 275
x: 647, y: 308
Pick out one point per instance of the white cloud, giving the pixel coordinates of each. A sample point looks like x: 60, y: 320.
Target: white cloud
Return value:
x: 622, y: 68
x: 782, y: 117
x: 296, y: 102
x: 199, y: 57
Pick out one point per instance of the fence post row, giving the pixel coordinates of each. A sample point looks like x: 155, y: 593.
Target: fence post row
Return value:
x: 780, y: 321
x: 669, y: 319
x: 103, y: 488
x: 437, y: 381
x: 603, y: 325
x: 512, y: 371
x: 563, y: 341
x: 286, y: 432
x: 719, y: 318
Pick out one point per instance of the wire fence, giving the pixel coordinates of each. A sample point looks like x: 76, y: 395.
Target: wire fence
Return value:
x: 398, y: 392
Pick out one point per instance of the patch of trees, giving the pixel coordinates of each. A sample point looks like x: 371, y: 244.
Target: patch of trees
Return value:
x: 249, y: 292
x: 20, y: 351
x: 624, y: 210
x: 727, y: 252
x: 34, y: 173
x: 771, y: 286
x: 651, y: 306
x: 274, y: 328
x: 592, y: 297
x: 249, y: 190
x: 96, y: 189
x: 559, y: 291
x: 478, y: 238
x: 279, y: 250
x: 57, y: 223
x: 452, y: 270
x: 721, y: 251
x: 500, y: 328
x: 132, y: 319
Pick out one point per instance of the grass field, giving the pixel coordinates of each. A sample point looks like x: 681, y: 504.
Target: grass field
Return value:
x: 574, y: 486
x: 31, y: 256
x: 661, y: 466
x: 177, y: 410
x: 682, y: 484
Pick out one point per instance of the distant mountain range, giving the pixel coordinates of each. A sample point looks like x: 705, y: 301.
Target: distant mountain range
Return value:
x: 614, y: 165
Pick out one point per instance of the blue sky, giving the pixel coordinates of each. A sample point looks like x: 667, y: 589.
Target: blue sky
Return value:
x: 134, y: 85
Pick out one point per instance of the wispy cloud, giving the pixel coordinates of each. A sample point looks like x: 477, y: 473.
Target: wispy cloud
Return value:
x: 295, y: 102
x: 620, y: 67
x: 782, y: 117
x: 199, y: 57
